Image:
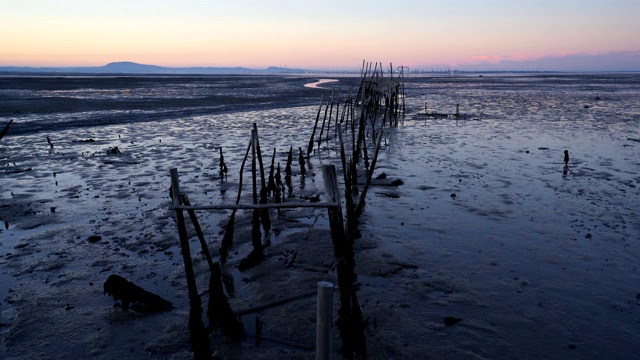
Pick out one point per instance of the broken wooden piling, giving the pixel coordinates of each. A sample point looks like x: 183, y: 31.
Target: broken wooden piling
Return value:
x: 343, y: 252
x: 5, y: 130
x: 219, y: 312
x: 310, y: 146
x: 324, y: 318
x: 198, y: 336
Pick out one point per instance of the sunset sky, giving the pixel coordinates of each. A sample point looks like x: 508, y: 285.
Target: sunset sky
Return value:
x: 324, y: 35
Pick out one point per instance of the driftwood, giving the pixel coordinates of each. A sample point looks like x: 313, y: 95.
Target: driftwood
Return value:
x: 133, y: 296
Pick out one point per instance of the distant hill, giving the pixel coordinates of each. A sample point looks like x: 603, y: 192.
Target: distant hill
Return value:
x: 132, y: 68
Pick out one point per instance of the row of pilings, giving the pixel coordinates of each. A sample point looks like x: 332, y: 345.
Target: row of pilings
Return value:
x: 366, y: 114
x: 355, y: 126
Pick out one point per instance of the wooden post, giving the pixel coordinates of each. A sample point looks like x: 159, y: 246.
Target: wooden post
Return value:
x: 343, y: 253
x: 264, y: 213
x: 253, y: 167
x: 271, y: 184
x: 330, y: 115
x: 351, y: 226
x: 324, y: 120
x: 199, y: 338
x: 256, y: 144
x: 337, y: 110
x: 363, y: 194
x: 196, y: 226
x: 5, y: 129
x: 324, y: 319
x: 313, y: 134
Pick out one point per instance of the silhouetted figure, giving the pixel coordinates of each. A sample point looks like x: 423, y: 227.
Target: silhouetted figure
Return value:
x: 566, y: 158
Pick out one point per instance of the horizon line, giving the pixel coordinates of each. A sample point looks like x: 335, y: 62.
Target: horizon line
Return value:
x: 122, y: 65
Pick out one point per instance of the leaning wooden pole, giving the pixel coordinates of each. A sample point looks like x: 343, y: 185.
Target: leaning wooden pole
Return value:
x: 196, y: 225
x: 227, y: 239
x: 363, y: 194
x: 324, y: 120
x: 264, y: 213
x: 313, y: 134
x: 254, y: 175
x: 198, y: 336
x: 5, y: 130
x: 330, y: 116
x: 263, y: 182
x: 351, y: 228
x: 337, y: 112
x: 343, y: 253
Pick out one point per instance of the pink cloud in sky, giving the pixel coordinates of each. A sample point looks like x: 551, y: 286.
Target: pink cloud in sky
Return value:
x: 486, y: 59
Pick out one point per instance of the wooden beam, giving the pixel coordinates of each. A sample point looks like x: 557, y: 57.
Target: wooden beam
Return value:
x: 287, y: 205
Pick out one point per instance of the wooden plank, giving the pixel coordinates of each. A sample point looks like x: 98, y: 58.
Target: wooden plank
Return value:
x: 287, y: 205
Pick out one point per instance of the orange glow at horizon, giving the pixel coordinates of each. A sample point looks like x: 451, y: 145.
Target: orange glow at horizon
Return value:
x: 283, y: 33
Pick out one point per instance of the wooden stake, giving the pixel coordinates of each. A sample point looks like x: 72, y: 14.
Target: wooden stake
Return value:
x: 5, y: 129
x: 256, y: 143
x: 196, y: 226
x: 227, y: 239
x: 343, y: 253
x: 264, y: 213
x: 330, y: 116
x: 198, y: 336
x: 313, y: 134
x: 323, y: 320
x: 253, y: 167
x: 219, y: 312
x: 303, y: 169
x: 223, y: 166
x: 324, y: 120
x: 271, y: 186
x: 351, y: 225
x: 363, y: 194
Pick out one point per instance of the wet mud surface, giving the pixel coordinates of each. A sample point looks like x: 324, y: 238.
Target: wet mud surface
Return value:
x: 490, y: 248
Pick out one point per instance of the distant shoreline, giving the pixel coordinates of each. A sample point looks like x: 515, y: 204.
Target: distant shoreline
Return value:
x: 131, y: 68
